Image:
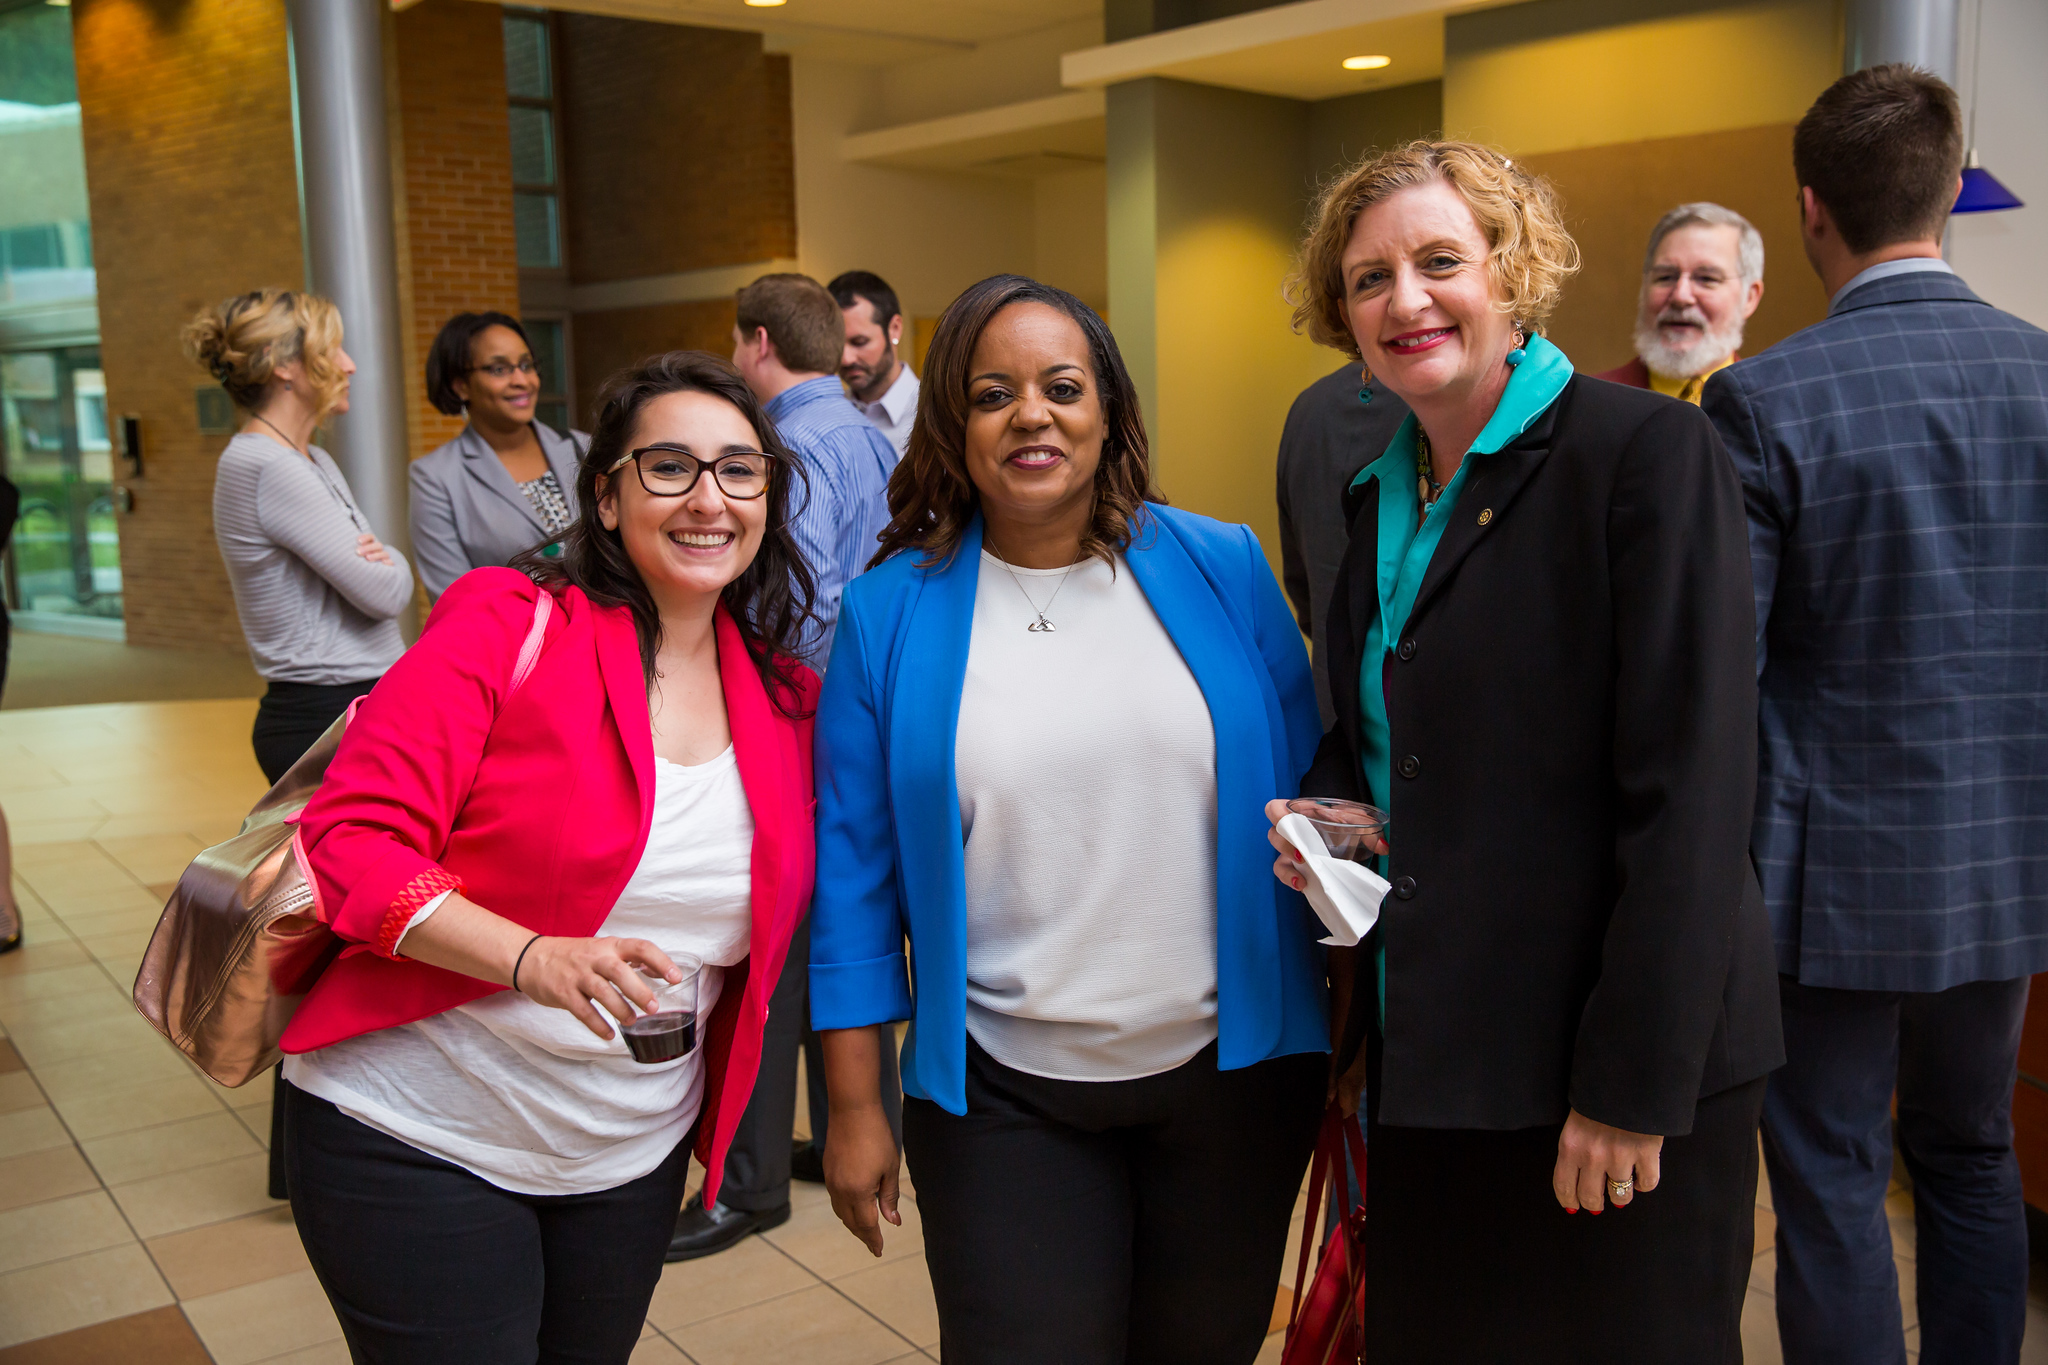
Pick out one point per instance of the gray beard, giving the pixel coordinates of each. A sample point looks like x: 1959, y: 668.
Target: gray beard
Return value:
x: 1687, y: 362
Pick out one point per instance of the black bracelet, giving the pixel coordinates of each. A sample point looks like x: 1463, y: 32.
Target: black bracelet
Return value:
x: 521, y: 958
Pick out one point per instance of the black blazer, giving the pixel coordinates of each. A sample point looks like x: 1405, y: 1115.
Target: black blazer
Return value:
x: 1574, y: 919
x: 1328, y: 438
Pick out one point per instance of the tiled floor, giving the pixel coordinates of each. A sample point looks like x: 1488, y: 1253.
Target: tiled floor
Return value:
x: 133, y: 1220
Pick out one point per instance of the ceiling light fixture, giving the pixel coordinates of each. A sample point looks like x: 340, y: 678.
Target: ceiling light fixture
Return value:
x: 1366, y: 63
x: 766, y: 4
x: 1982, y: 191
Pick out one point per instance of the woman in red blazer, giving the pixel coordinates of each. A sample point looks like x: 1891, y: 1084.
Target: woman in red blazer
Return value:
x: 577, y: 787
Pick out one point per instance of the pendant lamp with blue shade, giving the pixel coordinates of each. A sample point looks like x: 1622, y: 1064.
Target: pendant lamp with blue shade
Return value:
x: 1982, y: 191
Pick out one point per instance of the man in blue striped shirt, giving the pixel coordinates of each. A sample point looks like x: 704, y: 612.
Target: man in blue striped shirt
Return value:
x: 787, y: 345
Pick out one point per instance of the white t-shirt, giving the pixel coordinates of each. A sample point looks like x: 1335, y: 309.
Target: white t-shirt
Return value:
x: 1086, y: 763
x: 523, y: 1094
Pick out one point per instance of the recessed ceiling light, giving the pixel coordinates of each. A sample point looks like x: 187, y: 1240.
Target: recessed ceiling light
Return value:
x: 1350, y: 63
x: 766, y: 4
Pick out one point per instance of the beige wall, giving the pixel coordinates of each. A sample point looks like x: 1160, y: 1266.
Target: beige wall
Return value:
x: 1560, y: 74
x: 929, y: 234
x: 1224, y: 187
x: 2000, y: 254
x: 1023, y: 66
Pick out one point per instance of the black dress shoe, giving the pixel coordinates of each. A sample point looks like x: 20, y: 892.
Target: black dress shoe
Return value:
x: 807, y: 1162
x: 705, y: 1230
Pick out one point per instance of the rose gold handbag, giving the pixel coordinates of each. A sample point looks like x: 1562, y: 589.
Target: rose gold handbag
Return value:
x: 243, y: 937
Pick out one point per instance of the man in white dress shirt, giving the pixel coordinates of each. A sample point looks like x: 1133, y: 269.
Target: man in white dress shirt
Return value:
x: 881, y: 385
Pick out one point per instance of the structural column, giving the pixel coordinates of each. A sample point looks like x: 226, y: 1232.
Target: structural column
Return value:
x: 351, y: 257
x: 1920, y: 33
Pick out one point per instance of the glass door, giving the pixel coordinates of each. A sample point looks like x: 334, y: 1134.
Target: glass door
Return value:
x: 66, y: 559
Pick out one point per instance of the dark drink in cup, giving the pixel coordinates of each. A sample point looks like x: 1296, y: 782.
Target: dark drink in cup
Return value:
x: 662, y: 1036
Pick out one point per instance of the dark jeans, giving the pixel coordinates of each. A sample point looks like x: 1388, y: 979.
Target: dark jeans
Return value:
x: 426, y: 1264
x: 1952, y: 1057
x: 288, y: 719
x: 757, y: 1163
x: 1112, y: 1222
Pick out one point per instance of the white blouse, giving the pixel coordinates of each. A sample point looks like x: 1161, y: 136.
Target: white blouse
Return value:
x: 1086, y: 765
x: 523, y: 1094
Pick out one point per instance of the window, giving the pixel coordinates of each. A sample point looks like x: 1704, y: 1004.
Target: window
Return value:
x: 536, y: 169
x: 551, y: 359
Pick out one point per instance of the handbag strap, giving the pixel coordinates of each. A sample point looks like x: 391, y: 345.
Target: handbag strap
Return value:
x: 1329, y: 1149
x: 529, y: 651
x: 1340, y: 1133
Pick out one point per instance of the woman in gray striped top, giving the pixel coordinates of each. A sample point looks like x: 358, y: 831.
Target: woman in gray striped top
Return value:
x: 318, y: 595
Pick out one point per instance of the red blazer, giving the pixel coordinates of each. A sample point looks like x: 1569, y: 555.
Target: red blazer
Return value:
x: 537, y: 806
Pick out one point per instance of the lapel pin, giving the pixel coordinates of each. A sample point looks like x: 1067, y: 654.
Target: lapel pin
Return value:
x: 1486, y: 516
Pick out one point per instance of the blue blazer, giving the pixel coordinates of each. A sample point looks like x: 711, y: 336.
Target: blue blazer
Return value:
x: 890, y: 856
x: 1894, y: 458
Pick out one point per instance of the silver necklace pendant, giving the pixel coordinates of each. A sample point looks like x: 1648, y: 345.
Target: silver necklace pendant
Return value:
x: 1041, y: 626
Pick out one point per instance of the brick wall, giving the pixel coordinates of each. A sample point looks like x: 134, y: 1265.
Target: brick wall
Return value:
x: 677, y: 149
x: 457, y: 181
x: 193, y: 183
x: 609, y: 341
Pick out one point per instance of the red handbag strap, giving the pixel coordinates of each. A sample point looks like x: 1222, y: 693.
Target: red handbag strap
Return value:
x: 1340, y: 1132
x: 1329, y: 1155
x: 1354, y: 1138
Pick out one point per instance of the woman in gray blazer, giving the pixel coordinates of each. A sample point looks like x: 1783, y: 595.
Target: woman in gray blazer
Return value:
x: 508, y: 482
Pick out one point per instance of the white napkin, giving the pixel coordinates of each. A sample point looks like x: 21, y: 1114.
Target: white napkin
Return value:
x: 1345, y: 895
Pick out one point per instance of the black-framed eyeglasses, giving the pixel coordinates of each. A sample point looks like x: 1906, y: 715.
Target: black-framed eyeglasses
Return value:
x: 499, y: 369
x: 670, y: 471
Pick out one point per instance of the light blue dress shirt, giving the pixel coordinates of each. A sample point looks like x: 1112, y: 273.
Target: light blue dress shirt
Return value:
x: 847, y: 463
x: 1884, y: 270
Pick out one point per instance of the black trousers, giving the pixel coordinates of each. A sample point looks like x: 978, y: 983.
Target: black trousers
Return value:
x: 292, y: 715
x: 1469, y: 1258
x: 426, y: 1264
x: 288, y: 719
x: 757, y: 1163
x: 1113, y: 1222
x: 1951, y: 1056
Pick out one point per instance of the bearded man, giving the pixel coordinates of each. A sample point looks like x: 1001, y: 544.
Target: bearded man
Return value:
x: 1703, y: 277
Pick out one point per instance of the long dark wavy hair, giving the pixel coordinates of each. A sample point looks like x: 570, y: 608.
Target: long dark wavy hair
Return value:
x: 932, y: 501
x: 771, y: 602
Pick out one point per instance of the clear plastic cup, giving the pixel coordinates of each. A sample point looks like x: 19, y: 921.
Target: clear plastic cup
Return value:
x: 669, y: 1030
x: 1351, y: 829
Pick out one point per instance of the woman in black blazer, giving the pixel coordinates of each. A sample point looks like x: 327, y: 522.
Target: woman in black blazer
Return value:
x: 1541, y: 650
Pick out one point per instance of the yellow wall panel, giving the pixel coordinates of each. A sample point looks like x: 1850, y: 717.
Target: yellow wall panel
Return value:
x: 1562, y: 74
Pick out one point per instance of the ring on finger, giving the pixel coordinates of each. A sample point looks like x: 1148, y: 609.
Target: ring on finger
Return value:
x: 1621, y: 1189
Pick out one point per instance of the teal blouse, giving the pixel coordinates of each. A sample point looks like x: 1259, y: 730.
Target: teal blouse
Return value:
x: 1407, y: 540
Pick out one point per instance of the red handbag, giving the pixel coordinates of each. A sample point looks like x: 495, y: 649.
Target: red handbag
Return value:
x: 1327, y: 1324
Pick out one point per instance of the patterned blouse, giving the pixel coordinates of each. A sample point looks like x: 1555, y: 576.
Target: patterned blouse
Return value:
x: 545, y: 495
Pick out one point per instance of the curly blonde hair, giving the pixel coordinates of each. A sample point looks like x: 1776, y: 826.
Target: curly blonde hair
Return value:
x: 241, y: 342
x: 1530, y: 255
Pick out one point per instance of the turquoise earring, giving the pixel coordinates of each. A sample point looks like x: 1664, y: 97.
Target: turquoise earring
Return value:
x: 1519, y: 353
x: 1365, y: 394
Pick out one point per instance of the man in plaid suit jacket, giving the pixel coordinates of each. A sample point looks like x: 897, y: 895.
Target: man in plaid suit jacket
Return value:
x: 1895, y: 461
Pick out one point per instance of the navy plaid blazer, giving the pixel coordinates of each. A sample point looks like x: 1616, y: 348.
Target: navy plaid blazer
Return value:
x: 1895, y: 462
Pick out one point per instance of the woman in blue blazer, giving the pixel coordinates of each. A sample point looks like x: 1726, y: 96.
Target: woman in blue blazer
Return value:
x: 1052, y: 718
